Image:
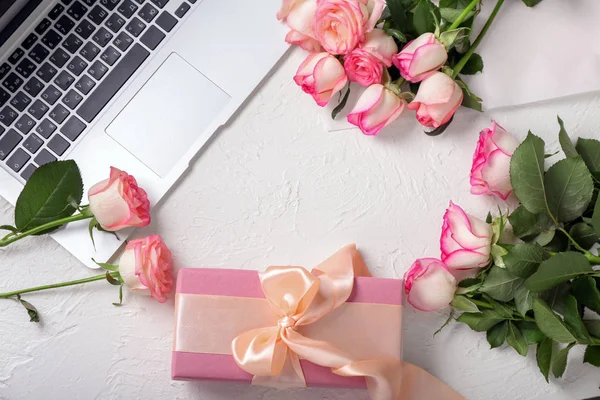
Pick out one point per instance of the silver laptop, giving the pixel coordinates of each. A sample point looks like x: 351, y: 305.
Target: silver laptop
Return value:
x: 137, y: 84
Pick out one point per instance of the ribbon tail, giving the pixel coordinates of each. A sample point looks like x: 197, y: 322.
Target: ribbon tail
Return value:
x: 291, y: 375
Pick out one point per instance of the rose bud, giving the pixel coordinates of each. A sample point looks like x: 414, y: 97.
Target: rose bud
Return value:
x: 118, y: 202
x: 490, y: 173
x: 465, y: 241
x: 376, y: 108
x: 341, y: 24
x: 147, y: 268
x: 363, y: 68
x: 421, y: 57
x: 429, y: 285
x: 300, y: 19
x: 437, y: 100
x: 321, y: 75
x: 382, y: 46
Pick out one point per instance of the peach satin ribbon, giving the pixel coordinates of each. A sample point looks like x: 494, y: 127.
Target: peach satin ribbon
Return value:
x: 299, y: 297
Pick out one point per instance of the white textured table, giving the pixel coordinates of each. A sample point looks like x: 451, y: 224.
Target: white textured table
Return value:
x: 274, y: 187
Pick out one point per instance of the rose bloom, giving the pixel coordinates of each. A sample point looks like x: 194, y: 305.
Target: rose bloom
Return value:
x: 465, y: 241
x: 490, y: 173
x: 299, y: 15
x: 363, y: 68
x: 376, y: 108
x: 321, y: 75
x: 118, y: 202
x: 341, y: 24
x: 437, y: 100
x: 147, y: 268
x: 380, y: 45
x: 421, y: 57
x: 429, y: 285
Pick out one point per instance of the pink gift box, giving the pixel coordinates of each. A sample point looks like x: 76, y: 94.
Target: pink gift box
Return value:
x: 199, y: 323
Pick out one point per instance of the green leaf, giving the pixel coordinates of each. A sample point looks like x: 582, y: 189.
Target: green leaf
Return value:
x: 397, y: 34
x: 112, y: 280
x: 426, y: 17
x: 45, y: 197
x: 592, y: 355
x: 523, y: 299
x: 9, y: 228
x: 451, y: 14
x: 456, y: 4
x: 593, y: 327
x: 498, y: 252
x: 550, y: 323
x: 526, y: 224
x: 596, y: 217
x: 523, y: 259
x: 565, y: 141
x: 398, y: 13
x: 470, y: 100
x: 569, y: 189
x: 557, y: 269
x: 573, y: 320
x: 481, y: 322
x: 500, y: 284
x: 559, y: 242
x: 531, y: 332
x: 468, y: 285
x: 555, y: 297
x: 473, y: 66
x: 450, y: 317
x: 587, y: 293
x: 527, y: 174
x: 584, y: 235
x: 462, y: 303
x: 449, y: 38
x: 531, y: 3
x: 504, y: 310
x: 106, y: 267
x: 544, y: 356
x: 559, y: 364
x: 590, y: 152
x: 34, y: 316
x: 516, y: 340
x: 120, y: 303
x: 341, y: 105
x: 496, y: 335
x: 93, y: 223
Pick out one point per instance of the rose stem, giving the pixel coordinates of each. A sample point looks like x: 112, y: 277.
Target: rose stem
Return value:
x: 458, y: 67
x: 57, y: 285
x: 462, y: 15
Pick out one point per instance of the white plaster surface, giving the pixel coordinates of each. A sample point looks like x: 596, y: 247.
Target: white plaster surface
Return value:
x: 274, y: 187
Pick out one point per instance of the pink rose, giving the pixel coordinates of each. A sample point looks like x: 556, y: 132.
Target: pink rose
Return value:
x: 118, y: 202
x: 341, y: 24
x: 437, y: 100
x: 379, y: 44
x: 300, y: 19
x: 321, y: 75
x: 376, y: 108
x: 490, y: 173
x: 286, y: 7
x: 147, y: 268
x: 363, y: 67
x: 429, y: 285
x: 421, y: 57
x: 375, y: 9
x: 466, y: 241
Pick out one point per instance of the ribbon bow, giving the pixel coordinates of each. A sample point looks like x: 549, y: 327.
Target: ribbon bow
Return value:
x: 299, y: 297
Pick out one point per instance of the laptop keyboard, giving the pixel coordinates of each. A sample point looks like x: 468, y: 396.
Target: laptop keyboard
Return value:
x: 67, y: 70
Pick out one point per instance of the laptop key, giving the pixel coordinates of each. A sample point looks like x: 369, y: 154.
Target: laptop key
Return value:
x: 102, y: 37
x: 38, y: 109
x: 64, y: 80
x: 147, y: 13
x: 25, y: 124
x: 38, y: 53
x: 89, y: 51
x: 85, y: 84
x: 8, y: 142
x: 25, y: 67
x: 105, y: 91
x: 45, y: 129
x: 16, y: 56
x: 51, y: 39
x: 59, y: 114
x: 192, y: 1
x: 123, y: 41
x: 58, y: 145
x: 72, y: 43
x: 85, y: 29
x: 12, y: 82
x: 4, y: 68
x: 110, y: 4
x: 33, y: 87
x: 115, y: 22
x: 51, y: 94
x: 56, y: 11
x: 4, y: 96
x: 152, y: 37
x: 33, y: 143
x: 8, y: 115
x: 160, y: 3
x: 110, y: 55
x: 77, y: 11
x: 64, y: 24
x: 182, y: 10
x: 20, y: 101
x: 97, y: 15
x: 166, y: 21
x: 72, y: 99
x: 89, y: 2
x: 59, y: 57
x: 77, y: 66
x: 127, y: 8
x: 43, y: 26
x: 46, y: 72
x: 67, y: 2
x: 97, y: 70
x: 73, y: 128
x: 28, y: 171
x: 18, y: 160
x: 44, y: 157
x: 29, y: 41
x: 135, y: 27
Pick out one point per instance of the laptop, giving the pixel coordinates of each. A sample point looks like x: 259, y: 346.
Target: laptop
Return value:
x: 136, y: 84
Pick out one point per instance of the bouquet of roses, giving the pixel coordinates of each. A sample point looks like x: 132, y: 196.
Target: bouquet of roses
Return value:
x: 358, y: 41
x: 540, y: 285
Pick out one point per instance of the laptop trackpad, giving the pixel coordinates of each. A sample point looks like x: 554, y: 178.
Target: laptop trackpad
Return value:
x: 168, y: 115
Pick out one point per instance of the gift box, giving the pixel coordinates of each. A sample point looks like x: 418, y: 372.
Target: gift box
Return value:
x: 215, y: 306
